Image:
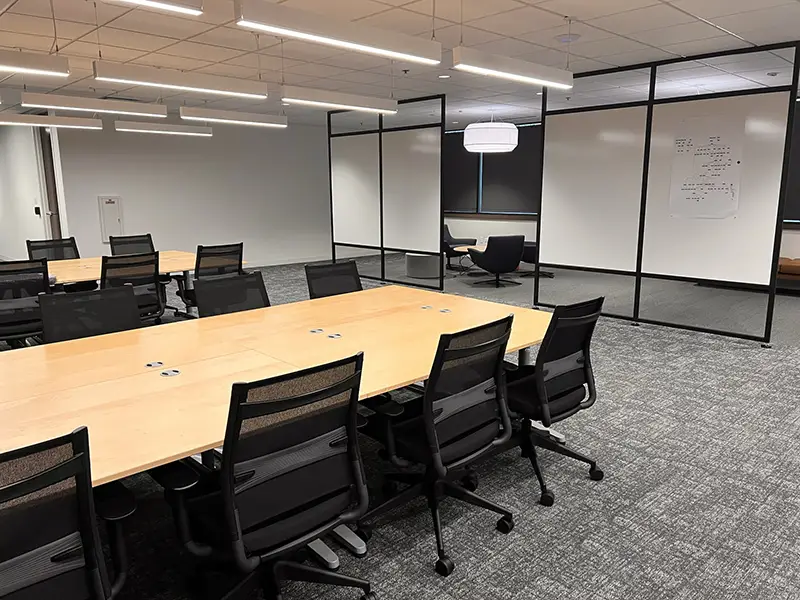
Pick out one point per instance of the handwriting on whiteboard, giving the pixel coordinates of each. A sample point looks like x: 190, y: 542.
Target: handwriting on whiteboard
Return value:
x: 706, y: 169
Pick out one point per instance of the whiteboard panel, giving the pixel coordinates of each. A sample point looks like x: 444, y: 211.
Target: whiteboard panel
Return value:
x: 355, y: 183
x: 735, y: 248
x: 592, y: 188
x: 411, y: 189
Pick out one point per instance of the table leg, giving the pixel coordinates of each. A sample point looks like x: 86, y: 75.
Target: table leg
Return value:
x: 189, y: 285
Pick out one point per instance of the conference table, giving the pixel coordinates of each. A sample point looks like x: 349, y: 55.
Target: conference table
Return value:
x: 78, y: 270
x: 153, y: 395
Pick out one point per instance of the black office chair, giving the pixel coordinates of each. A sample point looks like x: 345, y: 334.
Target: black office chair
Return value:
x: 291, y: 473
x: 141, y: 271
x: 529, y: 256
x: 49, y: 543
x: 333, y: 279
x: 560, y: 385
x: 21, y: 282
x: 230, y: 294
x: 212, y: 261
x: 131, y: 244
x: 60, y: 249
x: 461, y: 417
x: 84, y: 314
x: 502, y: 255
x: 449, y: 245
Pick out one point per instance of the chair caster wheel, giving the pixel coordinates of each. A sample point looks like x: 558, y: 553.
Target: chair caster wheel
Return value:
x: 547, y: 499
x: 596, y: 474
x: 370, y: 596
x: 505, y: 525
x: 444, y: 566
x: 470, y: 482
x: 364, y: 532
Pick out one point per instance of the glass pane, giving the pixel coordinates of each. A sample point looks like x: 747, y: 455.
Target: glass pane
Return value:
x: 353, y: 121
x: 415, y: 113
x: 568, y: 286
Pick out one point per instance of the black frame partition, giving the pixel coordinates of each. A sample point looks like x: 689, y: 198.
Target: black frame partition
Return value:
x: 788, y: 185
x: 382, y: 248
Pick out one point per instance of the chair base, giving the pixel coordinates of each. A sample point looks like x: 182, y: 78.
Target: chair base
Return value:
x: 547, y: 274
x: 435, y: 489
x: 497, y: 281
x: 530, y: 440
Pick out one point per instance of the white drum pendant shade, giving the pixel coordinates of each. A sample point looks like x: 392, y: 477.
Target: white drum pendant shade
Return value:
x: 490, y: 137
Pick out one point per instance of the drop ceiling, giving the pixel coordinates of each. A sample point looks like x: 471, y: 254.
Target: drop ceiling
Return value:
x: 611, y: 33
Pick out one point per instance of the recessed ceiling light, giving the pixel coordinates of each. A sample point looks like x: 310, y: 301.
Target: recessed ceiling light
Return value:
x: 444, y: 76
x: 567, y: 38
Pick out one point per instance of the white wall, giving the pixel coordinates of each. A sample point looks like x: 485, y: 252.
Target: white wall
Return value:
x: 267, y: 188
x: 482, y: 228
x: 20, y: 192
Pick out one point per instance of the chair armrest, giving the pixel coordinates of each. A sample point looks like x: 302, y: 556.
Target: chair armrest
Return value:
x: 176, y: 476
x: 114, y: 502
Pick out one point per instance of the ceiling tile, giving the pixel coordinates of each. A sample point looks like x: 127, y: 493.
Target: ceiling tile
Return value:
x: 772, y: 35
x: 642, y: 19
x: 161, y: 24
x: 676, y: 34
x: 451, y: 36
x: 348, y: 10
x: 354, y: 61
x: 201, y: 51
x: 302, y: 51
x: 715, y: 44
x: 787, y: 15
x: 69, y: 10
x: 472, y: 9
x: 403, y: 21
x: 228, y: 70
x: 171, y: 62
x: 606, y: 47
x: 112, y: 53
x: 638, y: 56
x: 547, y: 37
x: 516, y: 22
x: 316, y: 70
x: 592, y: 9
x: 549, y: 57
x: 129, y: 39
x: 506, y: 47
x: 708, y: 9
x: 586, y: 65
x: 42, y: 26
x: 24, y: 41
x: 229, y: 37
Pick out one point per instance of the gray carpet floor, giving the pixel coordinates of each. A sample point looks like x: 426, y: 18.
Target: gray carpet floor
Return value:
x: 699, y: 437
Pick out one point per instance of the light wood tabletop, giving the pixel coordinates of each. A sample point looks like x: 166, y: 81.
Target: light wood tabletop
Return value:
x: 478, y: 247
x: 139, y: 418
x: 88, y: 269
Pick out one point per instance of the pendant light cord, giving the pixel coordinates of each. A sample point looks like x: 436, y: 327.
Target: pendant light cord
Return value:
x: 461, y: 41
x: 55, y: 29
x: 569, y: 39
x: 433, y: 21
x: 97, y: 32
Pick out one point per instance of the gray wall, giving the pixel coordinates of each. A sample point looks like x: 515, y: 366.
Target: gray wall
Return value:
x: 266, y: 188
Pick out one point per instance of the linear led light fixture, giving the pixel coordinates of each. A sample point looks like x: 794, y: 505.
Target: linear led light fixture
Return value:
x: 338, y: 100
x: 33, y: 64
x: 93, y: 105
x: 50, y: 121
x: 178, y: 80
x: 162, y: 128
x: 283, y: 21
x: 232, y: 118
x: 185, y: 7
x: 521, y: 71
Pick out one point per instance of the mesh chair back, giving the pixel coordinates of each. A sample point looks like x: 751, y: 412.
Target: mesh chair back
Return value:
x: 21, y: 282
x: 63, y: 249
x: 213, y: 261
x: 291, y: 467
x: 49, y: 545
x: 230, y: 294
x: 137, y: 269
x: 563, y: 371
x: 333, y: 279
x: 131, y: 244
x: 465, y: 410
x: 84, y: 314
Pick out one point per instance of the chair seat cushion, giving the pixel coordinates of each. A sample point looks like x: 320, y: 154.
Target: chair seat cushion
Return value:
x: 412, y: 442
x: 523, y: 396
x: 19, y: 316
